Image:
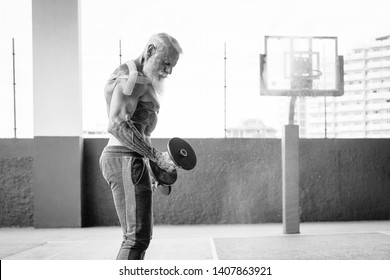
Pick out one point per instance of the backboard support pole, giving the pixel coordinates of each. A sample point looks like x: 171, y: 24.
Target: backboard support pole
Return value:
x: 298, y: 66
x: 290, y: 179
x: 292, y: 109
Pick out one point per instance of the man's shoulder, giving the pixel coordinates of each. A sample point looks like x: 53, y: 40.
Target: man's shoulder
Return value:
x: 125, y: 69
x: 122, y: 69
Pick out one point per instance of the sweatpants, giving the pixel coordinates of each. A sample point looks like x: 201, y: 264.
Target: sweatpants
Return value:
x: 127, y: 175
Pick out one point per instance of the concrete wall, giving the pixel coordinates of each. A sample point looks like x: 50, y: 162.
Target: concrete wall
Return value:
x: 56, y: 38
x: 57, y: 104
x: 345, y: 180
x: 235, y: 181
x: 16, y: 173
x: 97, y: 204
x: 239, y: 181
x: 57, y: 176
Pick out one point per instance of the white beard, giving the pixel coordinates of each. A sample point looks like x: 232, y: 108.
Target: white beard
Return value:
x: 153, y: 76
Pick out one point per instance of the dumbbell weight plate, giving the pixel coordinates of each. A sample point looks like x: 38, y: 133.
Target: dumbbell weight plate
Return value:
x: 181, y: 153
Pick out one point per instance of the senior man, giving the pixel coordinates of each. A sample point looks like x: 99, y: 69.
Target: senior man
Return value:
x: 132, y: 100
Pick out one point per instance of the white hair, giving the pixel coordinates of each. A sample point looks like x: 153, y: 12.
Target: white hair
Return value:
x: 162, y: 40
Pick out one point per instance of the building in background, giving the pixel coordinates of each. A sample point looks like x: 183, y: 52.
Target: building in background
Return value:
x: 251, y: 128
x: 364, y: 109
x: 99, y: 130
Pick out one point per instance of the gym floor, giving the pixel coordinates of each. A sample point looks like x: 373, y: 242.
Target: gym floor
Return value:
x: 365, y: 240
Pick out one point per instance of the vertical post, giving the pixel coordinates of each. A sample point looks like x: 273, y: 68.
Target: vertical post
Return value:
x: 120, y: 52
x: 292, y: 109
x: 290, y: 173
x: 290, y: 178
x: 326, y: 125
x: 58, y: 142
x: 225, y: 92
x: 325, y: 116
x: 14, y: 83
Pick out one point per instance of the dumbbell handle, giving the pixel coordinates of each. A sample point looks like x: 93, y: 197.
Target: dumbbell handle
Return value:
x: 183, y: 152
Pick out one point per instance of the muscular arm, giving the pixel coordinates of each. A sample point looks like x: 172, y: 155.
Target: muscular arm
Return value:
x: 122, y: 107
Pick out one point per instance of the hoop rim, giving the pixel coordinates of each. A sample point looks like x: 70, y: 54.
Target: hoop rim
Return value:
x: 309, y: 77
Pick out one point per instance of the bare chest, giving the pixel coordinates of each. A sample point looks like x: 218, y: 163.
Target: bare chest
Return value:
x: 146, y: 94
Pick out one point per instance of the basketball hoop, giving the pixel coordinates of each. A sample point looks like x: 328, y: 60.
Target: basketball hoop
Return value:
x: 301, y: 66
x: 298, y: 66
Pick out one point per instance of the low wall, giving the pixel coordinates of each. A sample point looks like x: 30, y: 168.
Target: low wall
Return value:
x: 16, y: 173
x: 235, y: 181
x: 239, y: 181
x: 345, y: 180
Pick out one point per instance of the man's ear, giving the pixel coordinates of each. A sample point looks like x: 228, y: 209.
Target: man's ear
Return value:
x: 151, y: 50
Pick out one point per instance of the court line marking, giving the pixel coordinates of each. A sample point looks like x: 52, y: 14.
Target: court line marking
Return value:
x: 383, y: 232
x: 213, y: 249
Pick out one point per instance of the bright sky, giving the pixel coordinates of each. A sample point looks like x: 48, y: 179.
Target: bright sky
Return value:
x: 193, y: 105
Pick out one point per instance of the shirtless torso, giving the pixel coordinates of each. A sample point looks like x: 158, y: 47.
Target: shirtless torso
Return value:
x: 132, y: 102
x: 142, y: 104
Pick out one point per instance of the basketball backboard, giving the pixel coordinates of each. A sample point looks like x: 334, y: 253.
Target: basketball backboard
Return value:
x: 301, y: 66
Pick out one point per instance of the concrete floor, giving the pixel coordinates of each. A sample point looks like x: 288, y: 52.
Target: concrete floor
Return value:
x: 327, y: 240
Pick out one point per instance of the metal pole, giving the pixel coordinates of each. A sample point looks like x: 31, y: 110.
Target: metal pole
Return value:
x: 225, y: 91
x: 326, y: 125
x: 14, y: 83
x: 120, y: 52
x: 292, y: 109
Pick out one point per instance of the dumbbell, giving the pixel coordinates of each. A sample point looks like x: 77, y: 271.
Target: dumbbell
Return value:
x: 182, y: 155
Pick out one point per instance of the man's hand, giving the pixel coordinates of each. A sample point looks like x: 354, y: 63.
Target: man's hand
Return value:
x: 165, y: 162
x: 155, y: 184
